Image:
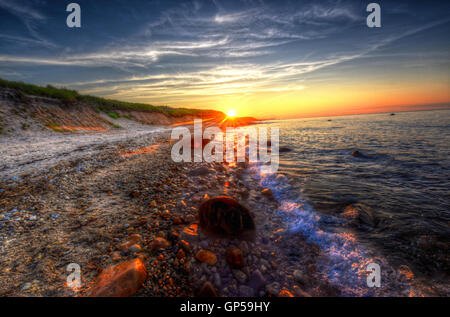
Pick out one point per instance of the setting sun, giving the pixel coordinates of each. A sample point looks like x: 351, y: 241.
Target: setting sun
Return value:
x: 231, y: 113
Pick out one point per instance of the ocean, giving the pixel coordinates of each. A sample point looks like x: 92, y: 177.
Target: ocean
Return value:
x: 367, y: 187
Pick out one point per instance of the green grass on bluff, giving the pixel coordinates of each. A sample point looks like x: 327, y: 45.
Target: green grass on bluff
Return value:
x: 106, y: 105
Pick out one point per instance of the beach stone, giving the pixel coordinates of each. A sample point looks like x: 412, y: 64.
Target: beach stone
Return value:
x: 159, y: 243
x: 120, y: 280
x: 224, y: 215
x: 300, y: 276
x: 217, y: 280
x: 257, y: 280
x: 207, y: 290
x: 235, y: 258
x: 273, y: 288
x: 131, y: 240
x: 206, y: 256
x: 240, y: 276
x: 246, y: 291
x: 135, y: 248
x: 201, y: 171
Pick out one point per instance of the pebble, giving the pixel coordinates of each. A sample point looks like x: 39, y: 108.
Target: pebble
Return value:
x: 240, y: 276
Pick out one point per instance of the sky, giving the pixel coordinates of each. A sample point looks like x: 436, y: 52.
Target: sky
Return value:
x: 267, y: 59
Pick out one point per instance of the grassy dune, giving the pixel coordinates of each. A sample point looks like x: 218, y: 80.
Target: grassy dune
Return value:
x: 98, y: 103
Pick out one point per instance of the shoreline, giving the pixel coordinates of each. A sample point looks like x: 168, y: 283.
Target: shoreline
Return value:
x: 123, y: 203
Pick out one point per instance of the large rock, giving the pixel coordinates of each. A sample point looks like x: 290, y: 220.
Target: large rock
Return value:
x: 224, y: 215
x: 120, y: 280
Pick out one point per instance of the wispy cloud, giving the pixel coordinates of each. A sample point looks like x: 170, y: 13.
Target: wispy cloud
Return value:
x: 30, y: 17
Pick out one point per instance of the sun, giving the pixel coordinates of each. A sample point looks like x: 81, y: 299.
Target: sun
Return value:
x: 231, y: 113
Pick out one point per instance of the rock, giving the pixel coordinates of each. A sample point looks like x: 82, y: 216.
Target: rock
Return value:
x: 360, y: 214
x: 207, y: 290
x: 358, y: 154
x: 159, y: 243
x: 285, y: 293
x: 224, y: 215
x: 243, y: 246
x: 246, y: 291
x: 120, y: 280
x: 273, y: 288
x: 284, y: 149
x: 181, y: 254
x: 257, y: 280
x: 240, y: 276
x: 206, y: 256
x: 135, y: 248
x: 177, y: 221
x: 131, y: 240
x: 235, y: 258
x: 201, y: 171
x: 267, y: 192
x: 217, y: 280
x: 300, y: 276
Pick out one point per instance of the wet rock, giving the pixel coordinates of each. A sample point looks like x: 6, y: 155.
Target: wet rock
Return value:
x: 224, y: 215
x: 206, y: 256
x: 235, y: 258
x: 284, y: 149
x: 358, y: 154
x: 207, y: 290
x: 267, y: 192
x: 360, y: 214
x: 120, y: 280
x: 201, y: 171
x: 159, y: 243
x: 257, y: 280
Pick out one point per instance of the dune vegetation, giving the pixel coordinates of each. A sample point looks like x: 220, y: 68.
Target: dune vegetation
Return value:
x: 69, y: 96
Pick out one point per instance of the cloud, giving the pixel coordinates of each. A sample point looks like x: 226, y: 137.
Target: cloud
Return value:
x: 30, y: 17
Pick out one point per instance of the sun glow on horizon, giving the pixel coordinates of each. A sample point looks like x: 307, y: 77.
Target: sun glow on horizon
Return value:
x: 231, y: 113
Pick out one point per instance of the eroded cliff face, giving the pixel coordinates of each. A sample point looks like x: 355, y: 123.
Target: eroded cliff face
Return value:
x: 25, y: 115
